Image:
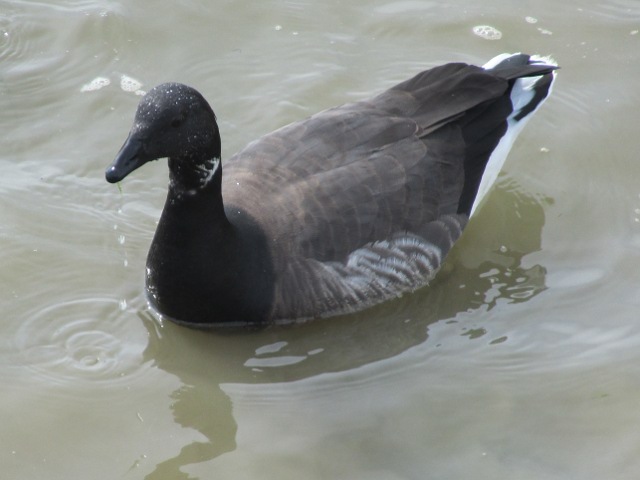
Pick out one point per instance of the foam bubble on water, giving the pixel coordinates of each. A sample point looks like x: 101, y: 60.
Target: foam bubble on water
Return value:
x: 487, y: 32
x: 544, y: 31
x: 95, y: 84
x: 129, y: 84
x: 531, y: 19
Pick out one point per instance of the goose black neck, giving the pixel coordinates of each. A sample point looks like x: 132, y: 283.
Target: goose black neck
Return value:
x: 197, y: 187
x: 204, y: 270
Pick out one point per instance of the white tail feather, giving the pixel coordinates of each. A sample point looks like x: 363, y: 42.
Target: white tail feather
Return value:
x: 522, y: 94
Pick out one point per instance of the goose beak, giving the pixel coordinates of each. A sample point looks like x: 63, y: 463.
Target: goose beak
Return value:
x: 130, y: 157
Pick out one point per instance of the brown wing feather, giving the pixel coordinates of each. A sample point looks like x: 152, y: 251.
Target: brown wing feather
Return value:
x: 328, y: 188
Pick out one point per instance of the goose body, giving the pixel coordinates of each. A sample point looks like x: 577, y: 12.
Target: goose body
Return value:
x: 330, y: 215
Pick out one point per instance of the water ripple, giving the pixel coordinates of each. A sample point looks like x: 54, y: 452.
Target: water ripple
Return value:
x: 13, y: 35
x: 80, y: 339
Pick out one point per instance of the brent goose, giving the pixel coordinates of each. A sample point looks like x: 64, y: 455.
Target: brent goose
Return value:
x: 329, y: 215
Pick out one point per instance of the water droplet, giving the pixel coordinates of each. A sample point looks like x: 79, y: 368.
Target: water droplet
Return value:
x: 278, y: 28
x: 504, y: 249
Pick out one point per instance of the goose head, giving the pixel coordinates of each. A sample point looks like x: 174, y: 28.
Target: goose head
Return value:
x: 172, y: 121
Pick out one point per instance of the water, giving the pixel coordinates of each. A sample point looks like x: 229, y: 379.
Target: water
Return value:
x: 521, y: 359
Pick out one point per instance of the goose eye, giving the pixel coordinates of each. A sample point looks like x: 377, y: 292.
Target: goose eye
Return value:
x: 177, y: 121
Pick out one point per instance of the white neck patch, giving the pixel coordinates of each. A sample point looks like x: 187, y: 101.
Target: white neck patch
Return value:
x: 208, y: 168
x: 205, y: 171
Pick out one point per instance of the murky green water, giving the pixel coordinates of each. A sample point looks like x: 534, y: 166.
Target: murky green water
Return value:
x: 522, y: 360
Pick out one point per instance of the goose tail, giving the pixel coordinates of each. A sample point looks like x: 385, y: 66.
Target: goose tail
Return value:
x: 531, y: 78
